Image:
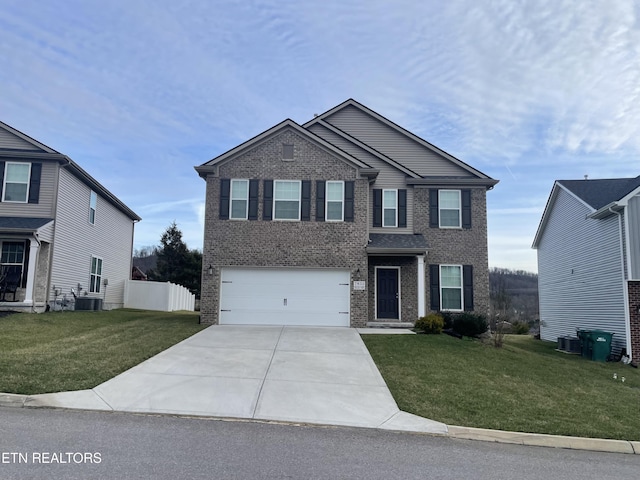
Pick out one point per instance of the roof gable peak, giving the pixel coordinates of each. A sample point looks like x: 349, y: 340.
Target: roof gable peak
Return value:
x: 26, y: 138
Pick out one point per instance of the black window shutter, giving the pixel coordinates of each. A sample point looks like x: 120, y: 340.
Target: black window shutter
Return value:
x: 349, y: 199
x: 467, y: 282
x: 434, y: 222
x: 225, y: 192
x: 34, y: 183
x: 1, y: 178
x: 253, y: 199
x: 267, y: 206
x: 402, y: 208
x: 377, y: 207
x: 320, y: 189
x: 305, y: 208
x: 466, y: 208
x: 434, y: 286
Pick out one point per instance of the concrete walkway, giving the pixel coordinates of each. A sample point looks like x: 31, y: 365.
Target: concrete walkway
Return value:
x: 294, y: 374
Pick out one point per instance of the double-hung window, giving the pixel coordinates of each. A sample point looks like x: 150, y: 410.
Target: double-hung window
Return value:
x: 335, y: 201
x: 96, y: 275
x: 12, y: 257
x: 286, y: 200
x: 239, y: 205
x: 450, y: 210
x: 451, y: 287
x: 16, y: 182
x: 389, y: 208
x: 93, y: 204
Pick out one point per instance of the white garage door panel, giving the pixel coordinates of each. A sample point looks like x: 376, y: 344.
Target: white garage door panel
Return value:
x: 284, y: 297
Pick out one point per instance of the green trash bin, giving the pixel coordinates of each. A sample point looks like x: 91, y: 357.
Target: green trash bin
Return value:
x: 586, y: 343
x: 595, y: 344
x: 601, y: 345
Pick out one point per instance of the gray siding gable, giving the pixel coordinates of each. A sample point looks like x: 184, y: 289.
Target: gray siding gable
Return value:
x: 394, y: 141
x: 580, y: 273
x: 357, y: 148
x: 12, y: 139
x: 18, y: 146
x: 633, y: 233
x: 388, y: 175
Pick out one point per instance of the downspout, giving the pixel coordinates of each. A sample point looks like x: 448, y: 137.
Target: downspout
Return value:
x: 627, y: 314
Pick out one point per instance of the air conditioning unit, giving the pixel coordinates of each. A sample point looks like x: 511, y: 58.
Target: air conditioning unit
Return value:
x: 88, y: 303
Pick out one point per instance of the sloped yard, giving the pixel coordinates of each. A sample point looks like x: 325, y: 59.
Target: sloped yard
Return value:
x: 525, y: 386
x: 60, y: 351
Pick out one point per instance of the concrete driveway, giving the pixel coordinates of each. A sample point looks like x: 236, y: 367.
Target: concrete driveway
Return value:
x: 294, y: 374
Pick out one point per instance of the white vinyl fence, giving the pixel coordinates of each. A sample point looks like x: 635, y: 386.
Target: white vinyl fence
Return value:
x: 162, y: 296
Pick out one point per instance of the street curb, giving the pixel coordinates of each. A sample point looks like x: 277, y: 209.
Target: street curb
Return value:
x: 464, y: 433
x: 542, y: 440
x: 12, y: 400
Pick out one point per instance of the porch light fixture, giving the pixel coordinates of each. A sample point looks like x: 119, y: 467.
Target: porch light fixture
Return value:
x: 210, y: 269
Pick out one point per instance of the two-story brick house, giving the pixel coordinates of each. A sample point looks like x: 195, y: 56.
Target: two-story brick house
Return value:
x: 59, y: 230
x: 347, y: 220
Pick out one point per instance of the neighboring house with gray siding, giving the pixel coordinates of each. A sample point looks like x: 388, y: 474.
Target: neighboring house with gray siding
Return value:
x: 59, y: 229
x: 347, y: 220
x: 588, y: 246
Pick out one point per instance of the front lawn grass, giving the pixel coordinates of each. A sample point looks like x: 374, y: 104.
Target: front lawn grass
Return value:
x: 526, y: 386
x: 60, y: 351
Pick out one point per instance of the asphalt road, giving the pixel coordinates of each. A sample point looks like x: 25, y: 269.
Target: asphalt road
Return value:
x: 60, y: 444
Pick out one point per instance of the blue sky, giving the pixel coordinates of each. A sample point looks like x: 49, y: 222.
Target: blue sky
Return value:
x: 138, y: 92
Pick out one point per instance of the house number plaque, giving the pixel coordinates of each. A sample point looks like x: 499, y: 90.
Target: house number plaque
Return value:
x: 359, y: 285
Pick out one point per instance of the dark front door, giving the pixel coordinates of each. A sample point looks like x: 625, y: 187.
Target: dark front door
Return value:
x: 387, y: 297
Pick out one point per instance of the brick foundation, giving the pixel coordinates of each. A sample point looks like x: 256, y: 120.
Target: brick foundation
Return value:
x: 634, y: 318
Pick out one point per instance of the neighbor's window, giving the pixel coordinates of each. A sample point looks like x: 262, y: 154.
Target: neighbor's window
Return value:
x: 93, y: 202
x: 286, y: 200
x: 451, y: 287
x: 16, y: 182
x: 239, y: 206
x: 96, y: 275
x: 389, y: 208
x: 335, y: 201
x: 449, y: 206
x: 12, y: 257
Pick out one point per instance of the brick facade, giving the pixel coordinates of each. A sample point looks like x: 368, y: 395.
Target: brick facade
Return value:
x: 268, y: 243
x: 338, y: 245
x: 457, y: 246
x: 634, y: 318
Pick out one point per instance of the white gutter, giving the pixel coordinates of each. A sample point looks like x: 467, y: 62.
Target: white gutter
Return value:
x: 627, y: 315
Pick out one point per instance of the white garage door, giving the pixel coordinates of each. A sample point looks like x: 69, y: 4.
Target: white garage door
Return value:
x: 284, y: 297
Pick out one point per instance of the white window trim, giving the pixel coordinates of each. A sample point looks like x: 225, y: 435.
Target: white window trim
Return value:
x: 93, y: 206
x: 15, y: 242
x: 326, y: 205
x: 461, y: 288
x: 396, y: 208
x: 4, y: 185
x: 91, y: 274
x: 440, y: 209
x: 246, y: 210
x: 299, y: 182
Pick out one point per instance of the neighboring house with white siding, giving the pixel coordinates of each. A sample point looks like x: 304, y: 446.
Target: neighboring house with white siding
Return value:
x: 588, y: 245
x: 61, y: 232
x: 347, y: 220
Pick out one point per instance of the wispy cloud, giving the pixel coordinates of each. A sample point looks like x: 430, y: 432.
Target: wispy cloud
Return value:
x: 138, y: 92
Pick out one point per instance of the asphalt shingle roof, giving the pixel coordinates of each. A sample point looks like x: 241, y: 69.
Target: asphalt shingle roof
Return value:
x: 601, y: 192
x: 397, y: 241
x: 23, y: 223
